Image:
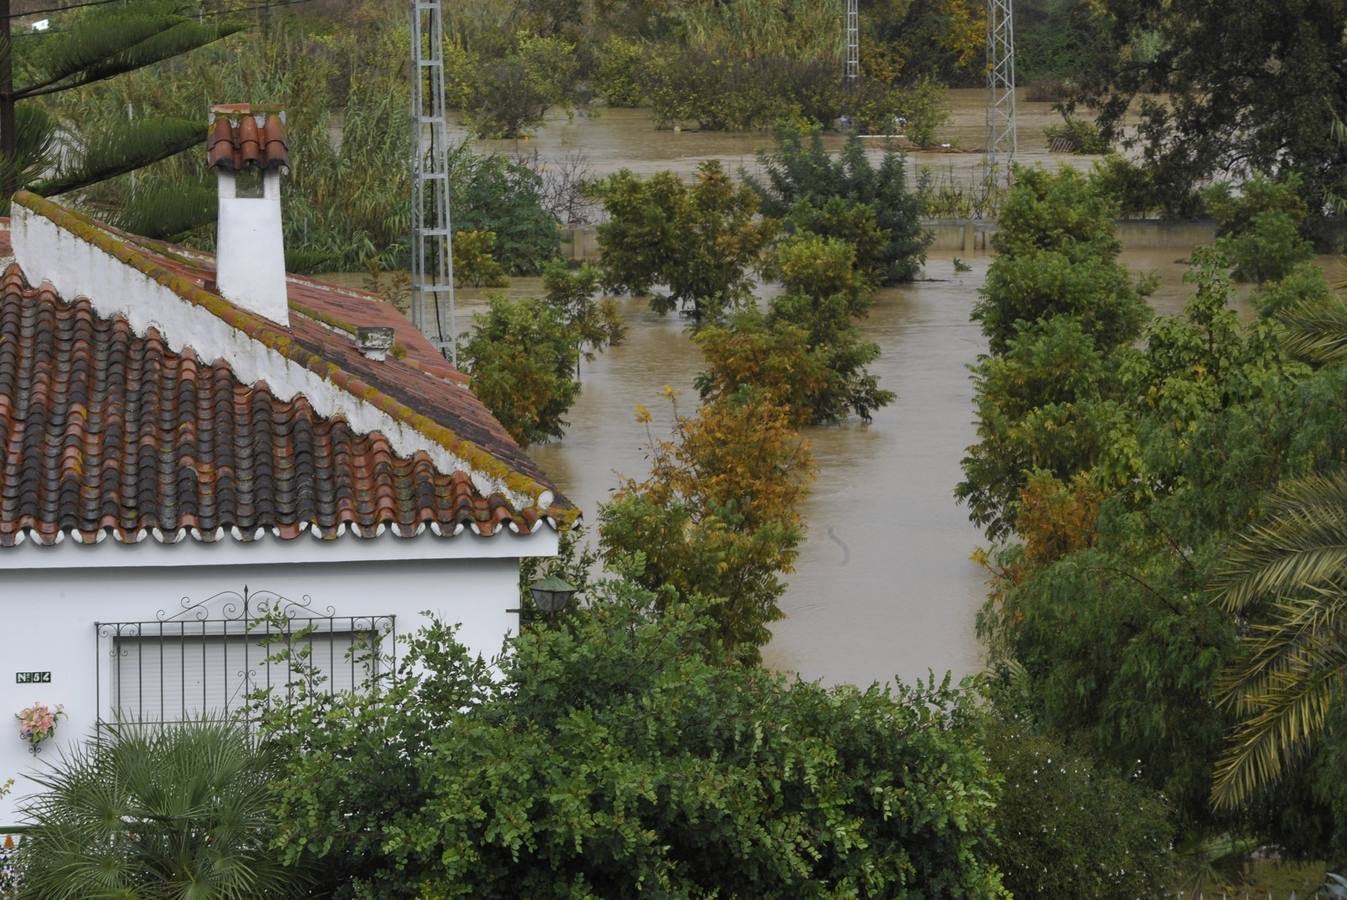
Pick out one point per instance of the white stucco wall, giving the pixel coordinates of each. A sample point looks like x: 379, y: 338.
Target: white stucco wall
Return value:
x: 52, y: 597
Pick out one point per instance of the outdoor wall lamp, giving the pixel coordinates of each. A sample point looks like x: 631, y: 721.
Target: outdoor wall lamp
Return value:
x: 551, y: 594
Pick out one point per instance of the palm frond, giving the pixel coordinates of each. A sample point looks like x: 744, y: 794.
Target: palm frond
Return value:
x: 1288, y: 705
x: 1300, y: 546
x: 1316, y: 330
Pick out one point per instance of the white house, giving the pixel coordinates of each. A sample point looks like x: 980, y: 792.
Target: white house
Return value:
x: 190, y: 444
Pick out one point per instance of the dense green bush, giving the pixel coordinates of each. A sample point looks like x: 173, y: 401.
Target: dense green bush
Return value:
x: 1057, y: 255
x: 521, y: 357
x: 618, y: 74
x: 701, y: 242
x: 492, y: 193
x: 1077, y: 136
x: 1141, y: 191
x: 823, y: 293
x: 1258, y: 228
x: 824, y: 194
x: 1067, y: 828
x: 925, y: 109
x: 726, y: 92
x: 617, y: 755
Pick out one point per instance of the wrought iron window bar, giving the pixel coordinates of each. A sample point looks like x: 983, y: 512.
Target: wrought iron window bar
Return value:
x: 212, y: 658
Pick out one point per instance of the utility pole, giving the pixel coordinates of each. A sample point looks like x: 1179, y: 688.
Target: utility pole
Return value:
x: 432, y: 239
x: 1001, y: 142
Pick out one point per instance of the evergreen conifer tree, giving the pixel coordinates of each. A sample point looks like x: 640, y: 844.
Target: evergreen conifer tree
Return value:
x: 84, y: 46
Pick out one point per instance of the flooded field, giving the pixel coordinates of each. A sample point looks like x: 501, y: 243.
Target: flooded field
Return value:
x: 884, y: 585
x: 612, y: 139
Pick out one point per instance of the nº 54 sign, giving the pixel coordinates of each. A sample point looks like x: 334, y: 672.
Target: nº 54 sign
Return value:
x: 32, y: 678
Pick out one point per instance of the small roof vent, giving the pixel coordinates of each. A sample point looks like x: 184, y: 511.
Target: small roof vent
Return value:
x: 375, y: 342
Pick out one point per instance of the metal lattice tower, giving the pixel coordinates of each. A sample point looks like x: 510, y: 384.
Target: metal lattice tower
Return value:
x: 851, y: 74
x: 1001, y: 144
x: 432, y: 239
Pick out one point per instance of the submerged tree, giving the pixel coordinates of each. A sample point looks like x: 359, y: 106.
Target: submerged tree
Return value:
x: 718, y: 519
x: 847, y: 198
x: 700, y: 242
x: 521, y: 357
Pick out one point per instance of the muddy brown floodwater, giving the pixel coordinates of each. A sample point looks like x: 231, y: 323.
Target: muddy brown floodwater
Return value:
x: 884, y: 586
x: 613, y: 139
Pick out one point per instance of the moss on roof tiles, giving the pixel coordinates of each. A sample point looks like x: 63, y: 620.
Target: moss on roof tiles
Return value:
x: 273, y: 338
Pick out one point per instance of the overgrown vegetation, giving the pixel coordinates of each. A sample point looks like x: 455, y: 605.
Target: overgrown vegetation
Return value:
x: 620, y: 752
x: 157, y: 812
x: 1118, y: 461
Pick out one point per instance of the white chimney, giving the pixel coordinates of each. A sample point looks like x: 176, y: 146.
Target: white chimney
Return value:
x: 247, y: 149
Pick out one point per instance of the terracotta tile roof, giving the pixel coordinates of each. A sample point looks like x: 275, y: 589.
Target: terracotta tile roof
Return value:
x: 108, y: 433
x: 242, y: 144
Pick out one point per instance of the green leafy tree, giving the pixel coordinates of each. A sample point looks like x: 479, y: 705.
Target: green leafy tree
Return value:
x: 1114, y: 627
x: 1205, y: 107
x: 1057, y: 255
x: 88, y: 47
x: 491, y: 193
x: 1048, y: 404
x: 824, y: 293
x: 474, y: 263
x: 718, y: 519
x: 521, y: 357
x: 1259, y: 230
x: 618, y: 754
x: 825, y: 195
x: 774, y: 358
x: 1067, y: 827
x: 1302, y: 287
x: 571, y: 292
x: 700, y: 242
x: 618, y: 76
x: 172, y: 812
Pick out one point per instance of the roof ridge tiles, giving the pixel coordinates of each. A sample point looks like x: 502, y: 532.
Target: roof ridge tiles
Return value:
x: 283, y: 342
x: 181, y: 453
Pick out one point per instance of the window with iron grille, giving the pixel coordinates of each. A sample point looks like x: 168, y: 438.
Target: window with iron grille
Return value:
x: 211, y: 658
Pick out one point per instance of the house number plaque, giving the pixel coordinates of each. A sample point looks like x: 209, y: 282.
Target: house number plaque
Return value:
x: 32, y: 678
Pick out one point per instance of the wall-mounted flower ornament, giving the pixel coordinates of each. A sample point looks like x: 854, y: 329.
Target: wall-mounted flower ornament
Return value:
x: 37, y: 724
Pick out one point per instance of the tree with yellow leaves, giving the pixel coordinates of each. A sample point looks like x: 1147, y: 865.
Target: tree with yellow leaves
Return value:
x: 718, y: 519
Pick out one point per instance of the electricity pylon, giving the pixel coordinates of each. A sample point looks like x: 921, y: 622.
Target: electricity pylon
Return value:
x: 851, y: 73
x: 1001, y: 143
x: 432, y: 240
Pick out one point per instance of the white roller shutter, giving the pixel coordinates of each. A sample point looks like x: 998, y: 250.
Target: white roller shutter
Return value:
x: 178, y: 675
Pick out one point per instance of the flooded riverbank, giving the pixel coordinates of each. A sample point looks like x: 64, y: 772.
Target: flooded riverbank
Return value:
x: 884, y: 585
